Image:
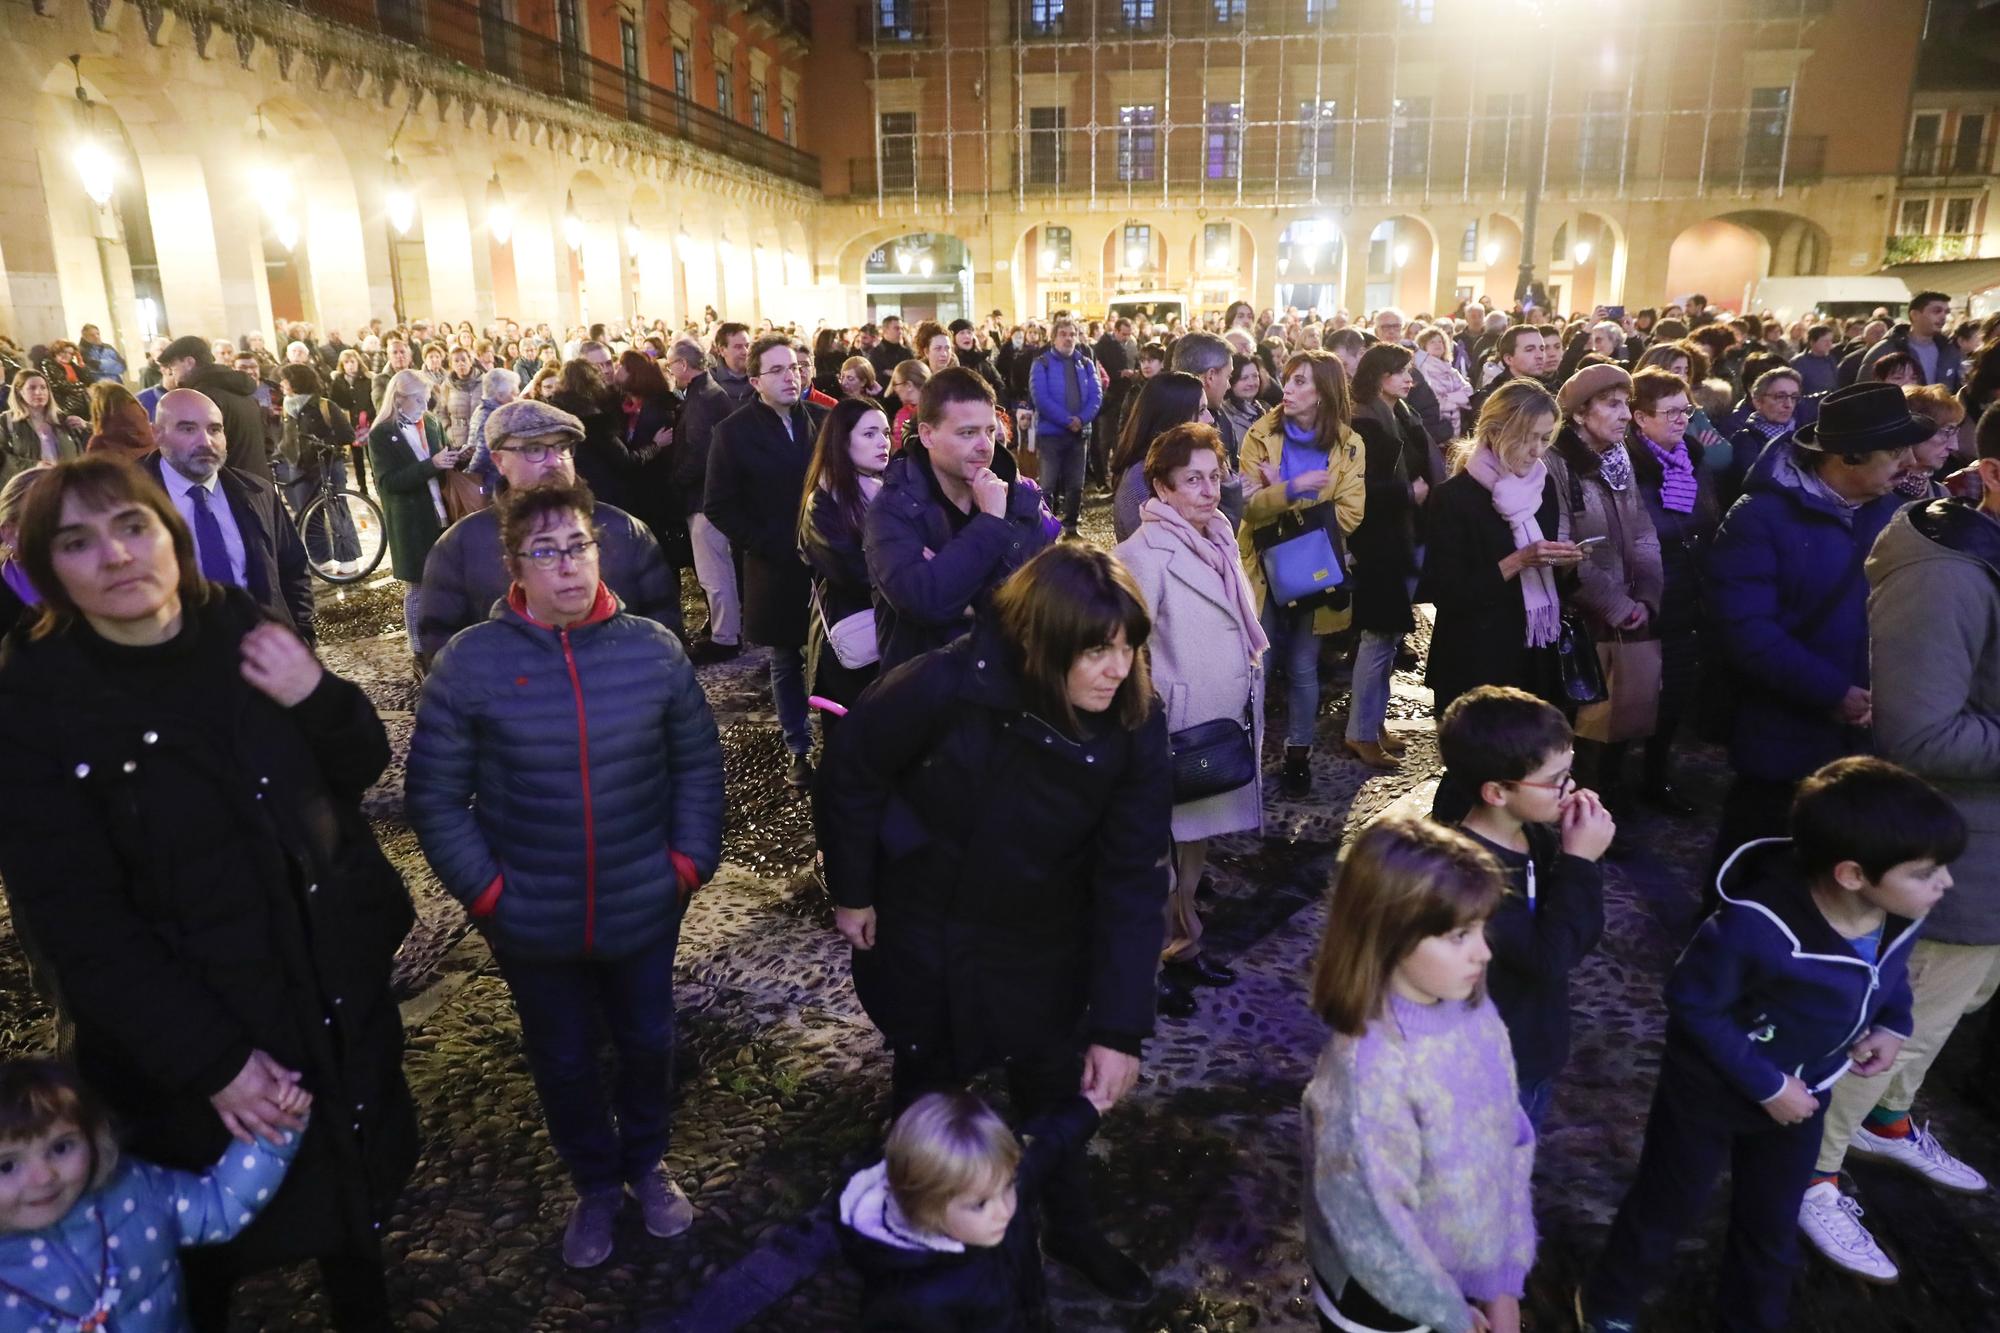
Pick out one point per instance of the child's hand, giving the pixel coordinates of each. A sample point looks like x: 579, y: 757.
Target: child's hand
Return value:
x: 295, y: 1101
x: 1795, y: 1104
x: 1587, y: 827
x: 1502, y: 1314
x: 1874, y: 1053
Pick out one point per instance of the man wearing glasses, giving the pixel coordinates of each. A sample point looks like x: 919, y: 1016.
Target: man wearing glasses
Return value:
x: 534, y: 444
x: 757, y: 463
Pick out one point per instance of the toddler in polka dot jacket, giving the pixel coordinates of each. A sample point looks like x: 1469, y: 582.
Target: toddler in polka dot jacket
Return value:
x: 90, y: 1241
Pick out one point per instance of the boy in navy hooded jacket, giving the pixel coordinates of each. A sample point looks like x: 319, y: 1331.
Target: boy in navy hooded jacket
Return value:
x: 1798, y: 979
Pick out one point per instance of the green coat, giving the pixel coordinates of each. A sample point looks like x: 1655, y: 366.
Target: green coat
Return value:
x: 403, y: 481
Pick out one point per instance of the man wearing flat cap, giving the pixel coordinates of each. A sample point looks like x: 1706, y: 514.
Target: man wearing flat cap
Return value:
x: 534, y: 443
x: 1788, y: 601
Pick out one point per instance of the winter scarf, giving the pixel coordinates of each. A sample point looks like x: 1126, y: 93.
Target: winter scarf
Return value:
x: 1516, y: 499
x: 1216, y: 546
x: 1677, y: 485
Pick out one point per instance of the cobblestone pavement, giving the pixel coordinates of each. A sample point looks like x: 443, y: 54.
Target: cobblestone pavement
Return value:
x: 783, y: 1086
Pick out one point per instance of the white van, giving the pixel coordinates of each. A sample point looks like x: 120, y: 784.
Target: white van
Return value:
x: 1795, y: 298
x: 1156, y: 306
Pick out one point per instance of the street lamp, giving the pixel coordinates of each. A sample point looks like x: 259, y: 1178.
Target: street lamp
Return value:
x: 572, y: 225
x: 1402, y: 255
x: 399, y: 202
x: 927, y: 266
x: 1580, y: 252
x: 499, y: 215
x: 95, y: 167
x: 1492, y: 253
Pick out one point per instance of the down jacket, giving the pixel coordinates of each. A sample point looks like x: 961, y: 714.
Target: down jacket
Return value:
x: 563, y: 782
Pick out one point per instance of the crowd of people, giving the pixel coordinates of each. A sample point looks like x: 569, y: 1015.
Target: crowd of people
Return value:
x: 1621, y: 532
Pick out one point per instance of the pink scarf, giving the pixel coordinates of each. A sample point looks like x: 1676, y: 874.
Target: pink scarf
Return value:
x: 1517, y: 499
x: 1216, y: 546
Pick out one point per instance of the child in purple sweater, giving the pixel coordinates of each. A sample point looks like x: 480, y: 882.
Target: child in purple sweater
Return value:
x: 1417, y: 1210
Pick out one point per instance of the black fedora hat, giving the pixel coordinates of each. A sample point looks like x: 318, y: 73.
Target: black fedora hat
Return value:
x: 1863, y: 418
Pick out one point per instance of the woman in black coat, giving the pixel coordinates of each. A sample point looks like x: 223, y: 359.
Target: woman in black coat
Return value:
x: 1685, y: 515
x: 997, y: 814
x: 1385, y: 544
x: 187, y: 857
x: 845, y: 474
x: 603, y: 463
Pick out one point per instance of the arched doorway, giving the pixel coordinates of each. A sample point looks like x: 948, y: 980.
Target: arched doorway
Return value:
x: 1402, y: 266
x: 1587, y: 264
x: 1133, y: 257
x: 1047, y: 260
x: 1222, y: 255
x: 1724, y: 257
x: 921, y: 275
x: 1311, y: 266
x: 1489, y: 260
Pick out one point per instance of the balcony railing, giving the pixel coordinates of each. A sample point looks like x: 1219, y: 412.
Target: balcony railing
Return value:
x: 901, y: 176
x: 1925, y: 249
x: 475, y: 36
x: 1077, y: 20
x: 1943, y: 161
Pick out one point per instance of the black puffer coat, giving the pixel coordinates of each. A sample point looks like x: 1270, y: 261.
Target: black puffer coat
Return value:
x: 190, y: 860
x: 1384, y: 545
x: 244, y: 424
x: 1019, y: 875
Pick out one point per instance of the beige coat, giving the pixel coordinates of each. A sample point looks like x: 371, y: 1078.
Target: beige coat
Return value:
x: 1199, y: 651
x: 1346, y: 487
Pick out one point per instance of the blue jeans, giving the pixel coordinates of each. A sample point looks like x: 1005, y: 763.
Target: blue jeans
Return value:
x: 1063, y: 457
x: 1374, y: 661
x: 788, y: 696
x: 1536, y: 1098
x: 562, y: 1006
x: 1294, y: 644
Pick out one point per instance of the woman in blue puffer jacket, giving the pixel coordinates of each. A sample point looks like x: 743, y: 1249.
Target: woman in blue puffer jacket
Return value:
x: 565, y: 781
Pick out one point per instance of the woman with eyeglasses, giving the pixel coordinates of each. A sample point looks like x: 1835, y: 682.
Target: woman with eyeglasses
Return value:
x: 1932, y: 458
x: 565, y: 782
x: 1680, y: 495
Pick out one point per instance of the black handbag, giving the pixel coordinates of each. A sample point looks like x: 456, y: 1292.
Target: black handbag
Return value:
x: 1579, y: 672
x: 1212, y: 757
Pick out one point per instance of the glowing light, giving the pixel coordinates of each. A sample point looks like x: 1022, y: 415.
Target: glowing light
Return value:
x: 402, y: 209
x: 1048, y: 259
x: 572, y: 230
x: 1492, y: 253
x: 96, y: 169
x: 904, y: 260
x: 1402, y: 255
x: 1135, y: 257
x: 500, y: 221
x: 634, y: 238
x: 286, y: 228
x: 1581, y: 252
x: 1284, y: 264
x: 927, y: 266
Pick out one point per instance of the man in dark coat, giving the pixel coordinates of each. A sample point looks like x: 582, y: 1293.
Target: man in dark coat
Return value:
x: 243, y: 418
x: 1927, y: 338
x: 259, y: 550
x: 891, y: 351
x: 188, y: 859
x: 945, y: 531
x: 1789, y: 602
x: 465, y: 574
x: 704, y: 405
x: 756, y: 477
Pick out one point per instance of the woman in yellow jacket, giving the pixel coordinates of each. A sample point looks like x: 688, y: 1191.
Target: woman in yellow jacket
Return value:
x: 1299, y: 454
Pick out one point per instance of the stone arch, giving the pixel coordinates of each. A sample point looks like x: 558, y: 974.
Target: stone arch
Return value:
x: 651, y: 269
x: 1218, y: 278
x: 328, y: 262
x: 1311, y: 264
x: 918, y: 274
x: 1399, y: 267
x: 1595, y: 263
x: 591, y: 232
x: 1724, y: 257
x: 1497, y: 265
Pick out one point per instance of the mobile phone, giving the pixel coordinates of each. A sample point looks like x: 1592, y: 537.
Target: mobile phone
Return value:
x: 1614, y: 312
x: 1586, y: 542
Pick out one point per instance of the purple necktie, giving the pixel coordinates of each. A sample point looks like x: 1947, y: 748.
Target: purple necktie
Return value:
x: 214, y: 556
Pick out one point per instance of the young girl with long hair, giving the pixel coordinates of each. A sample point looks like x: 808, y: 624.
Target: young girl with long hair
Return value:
x: 844, y: 475
x: 1418, y: 1210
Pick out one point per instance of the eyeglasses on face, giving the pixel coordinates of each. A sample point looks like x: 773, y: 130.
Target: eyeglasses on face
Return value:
x: 551, y: 556
x: 536, y: 453
x: 1562, y: 786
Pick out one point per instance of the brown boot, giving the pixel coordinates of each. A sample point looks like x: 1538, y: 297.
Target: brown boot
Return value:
x: 1393, y: 746
x: 1371, y: 754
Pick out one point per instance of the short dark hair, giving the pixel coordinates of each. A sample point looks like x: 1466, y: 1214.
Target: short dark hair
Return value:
x: 1510, y: 341
x: 1816, y: 332
x: 299, y: 379
x: 1066, y: 601
x: 1377, y: 364
x: 1922, y: 299
x: 185, y: 346
x: 1172, y: 449
x: 1153, y: 352
x: 523, y: 508
x: 1342, y: 340
x: 1892, y: 362
x: 768, y: 342
x: 103, y: 483
x: 1875, y: 814
x: 36, y: 1095
x: 1496, y: 733
x: 953, y: 384
x: 724, y: 332
x: 1986, y: 435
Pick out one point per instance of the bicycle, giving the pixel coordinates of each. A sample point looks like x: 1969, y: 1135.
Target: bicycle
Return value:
x: 340, y: 519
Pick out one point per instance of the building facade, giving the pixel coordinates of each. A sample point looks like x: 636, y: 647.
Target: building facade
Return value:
x: 211, y: 165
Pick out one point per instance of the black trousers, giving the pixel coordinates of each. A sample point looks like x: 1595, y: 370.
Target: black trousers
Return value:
x: 357, y: 1291
x: 1035, y: 1084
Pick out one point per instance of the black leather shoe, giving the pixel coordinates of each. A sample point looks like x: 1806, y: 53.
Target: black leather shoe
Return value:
x: 1199, y: 971
x: 1296, y: 782
x: 1174, y: 1000
x: 1665, y: 796
x: 799, y: 773
x: 706, y: 651
x: 1101, y: 1264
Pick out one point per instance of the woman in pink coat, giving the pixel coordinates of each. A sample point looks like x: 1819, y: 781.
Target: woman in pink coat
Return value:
x: 1453, y: 390
x: 1207, y: 652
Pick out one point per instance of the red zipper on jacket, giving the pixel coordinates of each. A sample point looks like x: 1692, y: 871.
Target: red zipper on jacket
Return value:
x: 589, y: 819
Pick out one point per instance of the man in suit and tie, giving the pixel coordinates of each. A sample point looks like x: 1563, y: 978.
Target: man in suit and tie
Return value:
x: 243, y: 534
x: 757, y: 463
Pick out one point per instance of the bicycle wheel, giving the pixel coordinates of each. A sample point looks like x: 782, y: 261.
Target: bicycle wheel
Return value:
x: 344, y: 523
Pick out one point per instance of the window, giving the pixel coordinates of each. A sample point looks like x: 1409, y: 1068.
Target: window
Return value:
x: 1319, y: 11
x: 1316, y: 139
x: 895, y: 20
x: 1468, y: 243
x: 788, y: 122
x: 683, y: 83
x: 1969, y: 145
x: 401, y: 19
x: 757, y: 107
x: 1047, y: 144
x: 1139, y: 15
x: 1913, y: 217
x: 1559, y: 247
x: 1600, y: 138
x: 498, y: 39
x: 1228, y: 12
x: 1056, y: 253
x: 1045, y: 17
x: 1138, y: 143
x: 1410, y: 136
x: 1420, y: 11
x: 1764, y: 134
x: 1218, y: 246
x: 1224, y: 140
x: 1957, y: 217
x: 569, y: 38
x: 628, y: 59
x: 1138, y: 243
x: 899, y: 150
x: 1501, y: 134
x: 725, y: 91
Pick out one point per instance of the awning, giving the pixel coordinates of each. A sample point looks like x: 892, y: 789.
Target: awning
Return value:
x: 1954, y: 277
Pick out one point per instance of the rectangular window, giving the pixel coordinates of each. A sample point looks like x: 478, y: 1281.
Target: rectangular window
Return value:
x: 788, y: 122
x: 1420, y: 11
x: 1138, y: 247
x: 683, y: 83
x: 1468, y: 243
x: 725, y: 91
x: 1056, y: 252
x: 401, y: 19
x: 1045, y: 17
x: 1968, y: 157
x: 1502, y: 132
x: 1957, y: 217
x: 498, y: 39
x: 1228, y: 13
x: 895, y: 20
x: 1913, y: 218
x: 1139, y: 15
x: 1218, y: 249
x: 1600, y: 139
x: 1320, y: 11
x: 1317, y: 139
x: 1138, y: 143
x: 628, y: 59
x: 757, y: 107
x: 1410, y: 136
x: 1764, y: 133
x: 1224, y: 141
x: 899, y: 150
x: 569, y: 38
x: 1047, y: 145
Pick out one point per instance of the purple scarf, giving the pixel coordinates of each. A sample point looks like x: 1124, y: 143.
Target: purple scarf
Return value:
x: 1677, y: 485
x: 17, y: 580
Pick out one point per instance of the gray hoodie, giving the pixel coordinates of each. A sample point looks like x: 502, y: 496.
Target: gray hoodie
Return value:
x: 1934, y: 639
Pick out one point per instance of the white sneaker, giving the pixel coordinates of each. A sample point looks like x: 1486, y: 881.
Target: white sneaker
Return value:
x: 1832, y: 1222
x: 1923, y: 1154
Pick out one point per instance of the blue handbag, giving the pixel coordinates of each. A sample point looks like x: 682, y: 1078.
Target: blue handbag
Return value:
x: 1303, y: 558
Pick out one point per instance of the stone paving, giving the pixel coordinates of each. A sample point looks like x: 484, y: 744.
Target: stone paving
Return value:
x: 783, y: 1086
